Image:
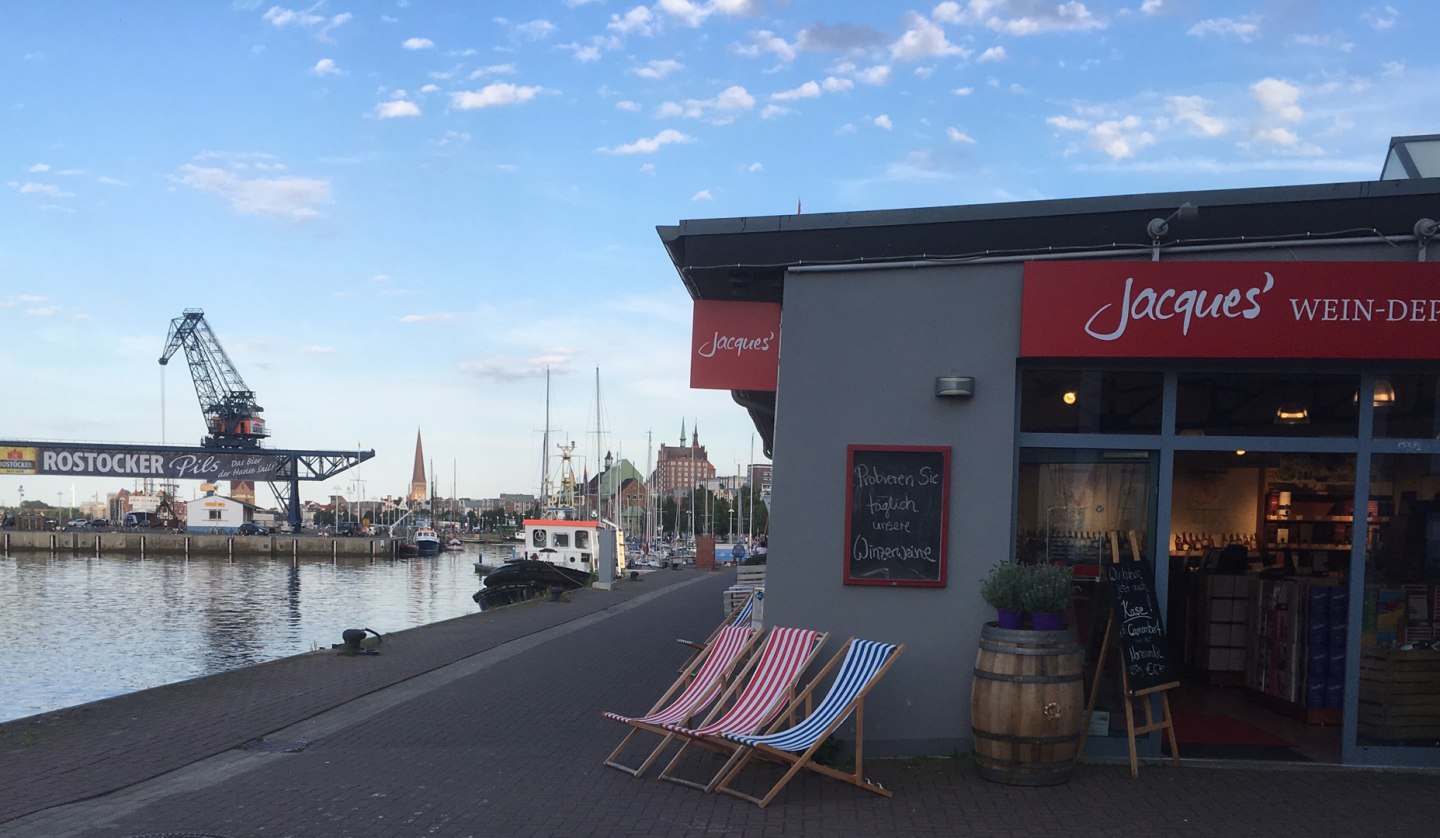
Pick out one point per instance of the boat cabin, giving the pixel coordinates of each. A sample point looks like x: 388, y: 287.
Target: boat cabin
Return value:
x: 570, y: 543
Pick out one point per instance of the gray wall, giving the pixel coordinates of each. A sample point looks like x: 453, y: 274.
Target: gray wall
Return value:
x: 858, y: 359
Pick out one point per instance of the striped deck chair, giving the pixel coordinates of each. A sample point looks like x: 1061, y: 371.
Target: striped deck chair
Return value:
x: 865, y: 662
x: 708, y: 681
x: 761, y: 692
x: 740, y: 615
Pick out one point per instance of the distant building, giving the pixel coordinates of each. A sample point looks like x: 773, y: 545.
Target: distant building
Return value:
x: 679, y: 469
x: 419, y: 488
x: 216, y: 513
x: 620, y: 486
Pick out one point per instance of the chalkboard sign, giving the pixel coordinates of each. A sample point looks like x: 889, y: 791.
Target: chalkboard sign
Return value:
x: 1137, y: 622
x: 895, y: 523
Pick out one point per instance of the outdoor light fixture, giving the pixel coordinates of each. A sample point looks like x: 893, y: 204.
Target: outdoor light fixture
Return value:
x: 1291, y: 413
x: 1158, y: 227
x: 954, y: 386
x: 1239, y: 452
x: 1069, y: 397
x: 1425, y: 230
x: 1384, y: 394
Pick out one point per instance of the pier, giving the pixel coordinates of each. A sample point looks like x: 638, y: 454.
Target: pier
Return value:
x: 132, y: 542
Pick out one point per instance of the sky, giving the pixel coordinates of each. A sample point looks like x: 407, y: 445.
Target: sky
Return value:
x: 397, y: 215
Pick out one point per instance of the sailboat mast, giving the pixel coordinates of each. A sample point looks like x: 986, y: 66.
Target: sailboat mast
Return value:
x: 599, y: 446
x: 545, y: 450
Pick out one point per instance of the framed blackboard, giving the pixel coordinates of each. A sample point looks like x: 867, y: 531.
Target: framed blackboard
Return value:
x: 1138, y: 626
x: 897, y: 504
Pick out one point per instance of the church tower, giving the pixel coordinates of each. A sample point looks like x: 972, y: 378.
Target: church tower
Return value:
x: 418, y: 486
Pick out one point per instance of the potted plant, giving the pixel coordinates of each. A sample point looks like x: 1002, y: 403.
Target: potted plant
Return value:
x: 1045, y: 594
x: 1001, y: 589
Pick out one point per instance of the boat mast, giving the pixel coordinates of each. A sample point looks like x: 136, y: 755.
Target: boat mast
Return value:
x: 545, y: 451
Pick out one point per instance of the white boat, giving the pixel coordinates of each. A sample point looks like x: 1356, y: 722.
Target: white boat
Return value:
x: 427, y: 541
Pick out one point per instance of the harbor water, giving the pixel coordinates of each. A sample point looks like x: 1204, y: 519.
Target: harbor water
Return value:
x: 75, y: 629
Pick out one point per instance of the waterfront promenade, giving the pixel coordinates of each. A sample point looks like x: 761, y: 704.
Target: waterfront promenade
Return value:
x: 490, y: 725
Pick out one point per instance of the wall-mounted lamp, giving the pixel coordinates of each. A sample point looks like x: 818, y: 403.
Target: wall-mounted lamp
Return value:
x: 1291, y: 413
x: 1425, y: 230
x: 1158, y: 227
x: 1069, y: 397
x: 1384, y: 394
x: 954, y: 386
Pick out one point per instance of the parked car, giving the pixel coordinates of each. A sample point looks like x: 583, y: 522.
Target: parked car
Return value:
x: 347, y: 528
x: 251, y: 528
x: 98, y: 523
x: 137, y: 519
x: 76, y: 524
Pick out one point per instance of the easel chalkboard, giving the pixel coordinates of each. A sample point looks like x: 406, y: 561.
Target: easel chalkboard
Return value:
x: 1140, y: 637
x: 897, y: 499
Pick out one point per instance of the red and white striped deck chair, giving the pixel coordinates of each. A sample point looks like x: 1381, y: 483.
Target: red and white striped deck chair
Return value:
x: 695, y: 693
x: 758, y: 700
x: 740, y: 615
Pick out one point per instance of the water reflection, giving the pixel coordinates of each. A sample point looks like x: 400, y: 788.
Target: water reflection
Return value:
x: 80, y: 628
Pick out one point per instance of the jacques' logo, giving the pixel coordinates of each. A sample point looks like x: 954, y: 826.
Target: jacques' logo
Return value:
x: 736, y: 343
x: 1188, y: 305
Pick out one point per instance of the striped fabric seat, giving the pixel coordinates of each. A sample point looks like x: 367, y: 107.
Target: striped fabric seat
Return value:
x: 781, y: 662
x: 864, y: 663
x: 702, y: 681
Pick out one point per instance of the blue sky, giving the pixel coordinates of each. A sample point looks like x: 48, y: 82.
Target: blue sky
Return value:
x: 397, y: 214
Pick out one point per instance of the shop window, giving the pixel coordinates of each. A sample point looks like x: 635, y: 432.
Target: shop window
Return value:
x: 1406, y: 407
x: 1400, y: 623
x: 1090, y: 401
x: 1285, y: 405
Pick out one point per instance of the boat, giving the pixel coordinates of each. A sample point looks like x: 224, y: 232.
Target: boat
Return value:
x: 427, y: 541
x: 454, y: 544
x: 522, y: 579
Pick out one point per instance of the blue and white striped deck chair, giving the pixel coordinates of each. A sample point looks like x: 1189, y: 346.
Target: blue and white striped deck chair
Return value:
x: 862, y: 664
x: 741, y: 615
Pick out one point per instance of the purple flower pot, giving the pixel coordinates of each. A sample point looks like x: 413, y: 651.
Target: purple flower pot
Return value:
x: 1047, y: 622
x: 1007, y: 619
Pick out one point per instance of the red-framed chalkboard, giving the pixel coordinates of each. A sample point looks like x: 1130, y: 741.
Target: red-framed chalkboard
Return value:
x: 897, y: 507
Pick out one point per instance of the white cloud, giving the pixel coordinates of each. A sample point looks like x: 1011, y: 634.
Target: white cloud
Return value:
x: 418, y: 43
x: 767, y: 42
x: 493, y: 70
x: 958, y: 136
x: 963, y: 91
x: 649, y: 145
x: 923, y: 39
x: 1274, y: 136
x: 493, y: 95
x: 755, y: 167
x: 319, y: 350
x: 1381, y: 18
x: 38, y: 168
x: 1118, y: 138
x: 883, y: 121
x: 519, y: 369
x: 536, y: 30
x: 325, y: 67
x: 874, y: 76
x: 637, y: 21
x: 657, y: 69
x: 1191, y: 110
x: 47, y: 189
x: 692, y: 14
x: 833, y: 84
x: 702, y: 195
x: 1020, y: 17
x: 281, y: 18
x: 1245, y: 30
x: 992, y: 54
x: 721, y: 109
x: 396, y: 108
x: 287, y: 198
x: 444, y: 317
x: 1278, y: 98
x: 1151, y: 7
x: 808, y: 90
x: 627, y: 105
x: 773, y: 110
x: 430, y: 88
x: 110, y: 181
x: 585, y: 55
x: 42, y: 311
x: 647, y: 169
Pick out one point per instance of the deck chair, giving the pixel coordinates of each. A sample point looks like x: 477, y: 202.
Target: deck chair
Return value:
x: 757, y: 697
x: 863, y: 664
x: 740, y: 615
x: 696, y: 688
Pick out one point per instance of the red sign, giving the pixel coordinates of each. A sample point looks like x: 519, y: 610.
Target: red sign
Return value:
x: 735, y: 346
x: 1231, y: 310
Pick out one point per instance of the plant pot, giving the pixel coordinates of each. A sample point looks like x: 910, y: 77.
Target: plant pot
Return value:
x: 1047, y: 622
x: 1007, y: 618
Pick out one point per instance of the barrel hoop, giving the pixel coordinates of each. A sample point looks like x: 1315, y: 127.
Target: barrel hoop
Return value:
x: 1024, y: 740
x: 1049, y: 651
x: 1028, y: 679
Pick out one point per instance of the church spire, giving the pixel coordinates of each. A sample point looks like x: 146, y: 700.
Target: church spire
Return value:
x: 695, y: 439
x: 683, y: 437
x: 418, y: 485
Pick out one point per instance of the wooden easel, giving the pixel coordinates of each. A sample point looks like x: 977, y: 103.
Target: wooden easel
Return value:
x: 1166, y: 721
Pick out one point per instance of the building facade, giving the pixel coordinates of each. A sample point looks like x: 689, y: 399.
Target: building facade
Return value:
x: 1261, y: 377
x: 679, y: 469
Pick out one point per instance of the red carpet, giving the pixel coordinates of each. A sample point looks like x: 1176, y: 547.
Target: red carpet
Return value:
x: 1208, y: 729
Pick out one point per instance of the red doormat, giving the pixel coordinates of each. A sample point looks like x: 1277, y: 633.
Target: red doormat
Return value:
x: 1210, y: 729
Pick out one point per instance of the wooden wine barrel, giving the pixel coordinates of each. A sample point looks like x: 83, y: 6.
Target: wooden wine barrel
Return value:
x: 1026, y: 704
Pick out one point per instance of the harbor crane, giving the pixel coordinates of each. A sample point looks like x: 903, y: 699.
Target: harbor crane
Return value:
x: 231, y: 414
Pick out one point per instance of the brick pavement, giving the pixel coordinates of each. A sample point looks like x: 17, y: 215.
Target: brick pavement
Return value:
x: 513, y: 745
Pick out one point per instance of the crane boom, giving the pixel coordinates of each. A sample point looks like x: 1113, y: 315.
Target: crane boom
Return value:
x: 231, y: 414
